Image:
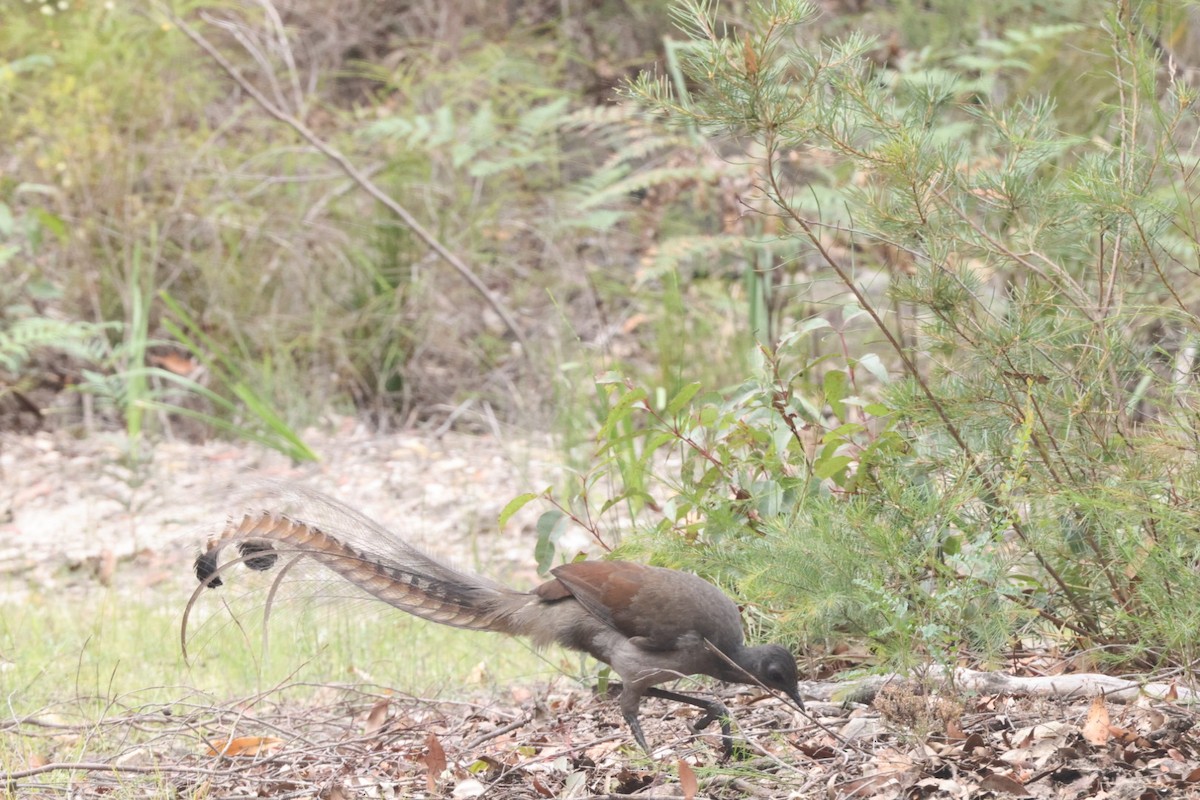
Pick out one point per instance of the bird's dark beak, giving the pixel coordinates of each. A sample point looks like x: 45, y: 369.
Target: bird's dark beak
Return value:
x: 796, y: 698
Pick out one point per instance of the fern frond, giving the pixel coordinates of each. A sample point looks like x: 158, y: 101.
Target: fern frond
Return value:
x: 83, y: 340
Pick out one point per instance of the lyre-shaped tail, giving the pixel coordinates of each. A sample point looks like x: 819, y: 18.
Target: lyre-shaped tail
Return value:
x: 405, y: 577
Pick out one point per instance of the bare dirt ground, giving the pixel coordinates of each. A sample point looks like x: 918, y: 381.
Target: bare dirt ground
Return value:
x: 72, y: 516
x: 67, y: 503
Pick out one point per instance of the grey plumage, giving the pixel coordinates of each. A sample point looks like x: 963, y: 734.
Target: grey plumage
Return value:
x: 650, y: 624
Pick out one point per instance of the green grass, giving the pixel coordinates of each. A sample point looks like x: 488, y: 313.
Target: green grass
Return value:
x: 86, y: 653
x: 97, y: 676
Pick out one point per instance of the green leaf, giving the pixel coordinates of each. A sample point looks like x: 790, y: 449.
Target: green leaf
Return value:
x: 709, y: 479
x: 843, y: 432
x: 872, y: 364
x: 682, y: 398
x: 52, y: 223
x: 548, y: 527
x: 807, y: 326
x: 851, y: 311
x: 620, y: 411
x: 654, y: 442
x: 828, y: 467
x: 27, y: 64
x: 514, y: 505
x: 835, y: 386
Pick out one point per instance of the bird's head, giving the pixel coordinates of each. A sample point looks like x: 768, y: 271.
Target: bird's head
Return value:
x: 773, y: 666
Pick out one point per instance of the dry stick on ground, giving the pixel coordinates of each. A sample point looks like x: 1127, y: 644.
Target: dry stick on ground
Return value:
x: 85, y: 766
x: 356, y: 175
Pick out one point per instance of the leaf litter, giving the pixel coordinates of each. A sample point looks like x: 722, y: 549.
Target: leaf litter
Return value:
x: 339, y: 741
x: 1027, y: 735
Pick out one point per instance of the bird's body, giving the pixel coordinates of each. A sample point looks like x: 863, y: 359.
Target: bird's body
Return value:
x: 650, y: 624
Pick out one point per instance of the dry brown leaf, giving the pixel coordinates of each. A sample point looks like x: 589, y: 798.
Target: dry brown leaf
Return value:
x: 173, y: 362
x: 139, y: 756
x: 468, y: 788
x: 106, y: 566
x: 954, y: 730
x: 818, y: 751
x: 895, y: 761
x: 245, y: 746
x: 749, y: 57
x: 986, y: 703
x: 1123, y: 735
x: 377, y: 715
x: 630, y: 325
x: 1002, y: 783
x: 948, y: 788
x: 1043, y: 731
x: 479, y: 675
x: 435, y: 761
x: 1020, y: 740
x: 334, y: 793
x: 540, y: 787
x: 687, y: 780
x: 972, y: 742
x: 868, y: 785
x: 1095, y: 728
x: 361, y: 674
x: 1193, y: 776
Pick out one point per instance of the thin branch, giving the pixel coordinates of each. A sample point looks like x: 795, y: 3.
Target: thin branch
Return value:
x: 88, y: 766
x: 356, y: 175
x: 778, y: 197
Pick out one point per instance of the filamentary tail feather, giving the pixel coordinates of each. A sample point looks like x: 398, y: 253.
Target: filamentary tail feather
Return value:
x: 406, y: 578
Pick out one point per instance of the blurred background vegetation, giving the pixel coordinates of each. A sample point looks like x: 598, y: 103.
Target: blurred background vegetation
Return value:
x: 883, y: 315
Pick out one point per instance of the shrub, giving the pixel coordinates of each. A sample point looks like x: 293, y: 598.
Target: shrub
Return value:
x: 988, y: 440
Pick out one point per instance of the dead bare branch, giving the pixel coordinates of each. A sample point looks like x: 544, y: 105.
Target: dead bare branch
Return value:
x: 358, y: 176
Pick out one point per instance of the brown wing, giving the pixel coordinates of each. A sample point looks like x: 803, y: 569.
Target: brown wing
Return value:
x: 658, y: 606
x: 605, y: 588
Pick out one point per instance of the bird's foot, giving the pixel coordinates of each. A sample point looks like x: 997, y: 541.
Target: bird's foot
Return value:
x: 715, y: 712
x: 635, y: 727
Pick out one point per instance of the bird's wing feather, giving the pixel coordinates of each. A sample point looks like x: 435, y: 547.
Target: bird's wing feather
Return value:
x: 662, y: 609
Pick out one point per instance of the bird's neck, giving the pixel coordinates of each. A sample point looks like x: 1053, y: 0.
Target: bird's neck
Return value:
x: 733, y: 665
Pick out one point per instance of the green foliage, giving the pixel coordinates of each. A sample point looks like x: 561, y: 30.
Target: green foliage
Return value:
x: 998, y: 448
x: 235, y: 397
x: 757, y: 454
x: 954, y: 264
x: 111, y: 358
x: 24, y: 335
x: 480, y: 145
x: 84, y: 658
x: 160, y: 178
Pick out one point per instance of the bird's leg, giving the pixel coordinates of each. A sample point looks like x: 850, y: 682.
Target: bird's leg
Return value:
x: 631, y: 700
x: 713, y: 710
x: 635, y: 726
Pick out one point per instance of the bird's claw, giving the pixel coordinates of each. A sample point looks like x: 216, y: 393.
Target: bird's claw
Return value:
x: 716, y: 713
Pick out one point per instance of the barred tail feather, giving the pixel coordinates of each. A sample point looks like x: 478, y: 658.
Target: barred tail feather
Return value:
x: 407, y: 579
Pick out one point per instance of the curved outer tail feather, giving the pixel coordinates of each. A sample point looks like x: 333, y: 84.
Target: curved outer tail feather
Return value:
x: 407, y: 578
